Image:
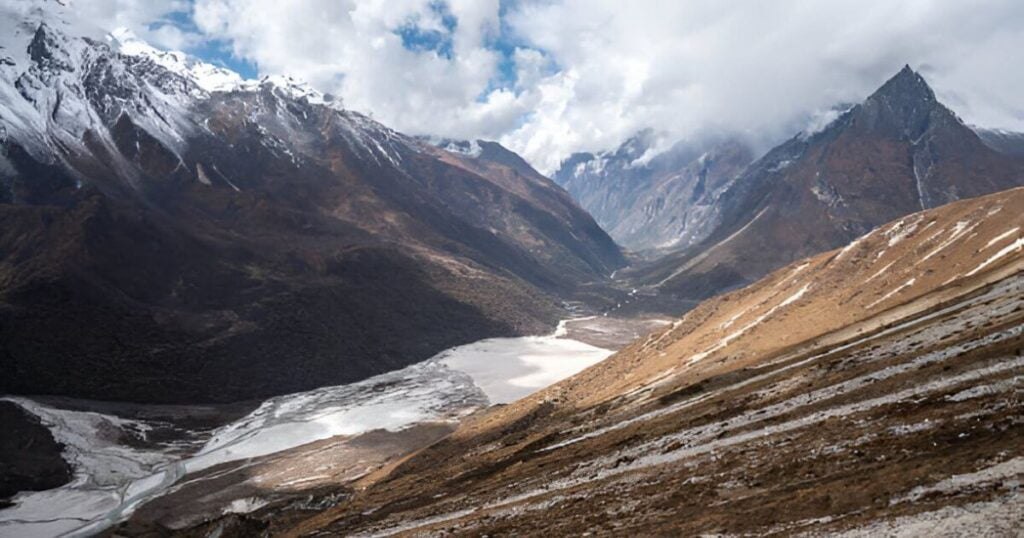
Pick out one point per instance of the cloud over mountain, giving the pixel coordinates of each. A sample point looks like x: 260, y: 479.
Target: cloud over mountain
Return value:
x: 547, y: 78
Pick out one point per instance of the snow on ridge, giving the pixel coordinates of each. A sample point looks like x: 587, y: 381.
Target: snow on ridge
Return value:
x: 20, y: 20
x: 469, y: 148
x: 57, y: 108
x: 207, y: 76
x: 294, y: 88
x: 212, y: 78
x: 46, y: 105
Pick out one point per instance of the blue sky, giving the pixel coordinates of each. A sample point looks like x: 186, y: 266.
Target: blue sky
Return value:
x: 210, y: 49
x: 438, y: 41
x: 414, y: 38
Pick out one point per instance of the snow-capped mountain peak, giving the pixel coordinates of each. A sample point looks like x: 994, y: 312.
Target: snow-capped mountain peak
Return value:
x: 20, y: 21
x: 212, y: 78
x: 295, y: 89
x: 207, y: 76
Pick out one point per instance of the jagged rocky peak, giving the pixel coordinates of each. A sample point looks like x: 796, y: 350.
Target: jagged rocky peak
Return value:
x: 897, y: 152
x: 906, y: 86
x: 905, y: 106
x: 637, y: 145
x: 47, y: 51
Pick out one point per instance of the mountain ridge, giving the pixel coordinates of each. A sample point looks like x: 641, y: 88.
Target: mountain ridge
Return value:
x: 187, y: 239
x: 897, y: 152
x: 649, y: 199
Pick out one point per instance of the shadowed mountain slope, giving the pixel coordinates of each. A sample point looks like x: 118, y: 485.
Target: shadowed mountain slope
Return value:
x: 169, y: 232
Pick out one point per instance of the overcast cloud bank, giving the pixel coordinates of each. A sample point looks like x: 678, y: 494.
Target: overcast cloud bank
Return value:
x: 547, y: 78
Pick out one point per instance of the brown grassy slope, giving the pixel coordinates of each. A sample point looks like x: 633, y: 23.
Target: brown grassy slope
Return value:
x: 823, y: 410
x: 843, y: 287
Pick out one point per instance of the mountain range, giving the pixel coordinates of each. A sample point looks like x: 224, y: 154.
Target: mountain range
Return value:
x: 650, y: 200
x: 898, y: 152
x: 838, y: 323
x: 170, y: 232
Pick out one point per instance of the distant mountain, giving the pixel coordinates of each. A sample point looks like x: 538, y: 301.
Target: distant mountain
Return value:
x: 1008, y: 142
x: 653, y: 200
x: 898, y: 152
x: 869, y: 390
x: 170, y: 232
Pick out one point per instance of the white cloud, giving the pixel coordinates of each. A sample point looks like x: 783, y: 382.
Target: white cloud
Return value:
x: 590, y: 73
x: 759, y: 67
x: 146, y: 18
x: 352, y: 49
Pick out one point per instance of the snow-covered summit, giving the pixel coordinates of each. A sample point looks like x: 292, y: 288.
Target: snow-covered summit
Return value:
x: 21, y: 19
x: 60, y: 81
x: 293, y: 88
x: 212, y: 78
x: 207, y: 76
x: 60, y: 78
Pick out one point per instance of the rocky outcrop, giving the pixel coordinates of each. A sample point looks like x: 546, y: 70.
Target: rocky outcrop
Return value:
x: 30, y: 459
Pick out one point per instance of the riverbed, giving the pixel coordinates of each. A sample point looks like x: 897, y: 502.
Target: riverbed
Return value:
x: 120, y: 463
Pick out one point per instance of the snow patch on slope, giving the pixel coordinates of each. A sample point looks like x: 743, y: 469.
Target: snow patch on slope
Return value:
x: 1001, y: 236
x: 1012, y: 247
x: 725, y: 341
x: 901, y: 230
x: 892, y: 292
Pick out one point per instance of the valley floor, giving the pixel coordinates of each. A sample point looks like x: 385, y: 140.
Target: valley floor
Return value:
x: 177, y: 466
